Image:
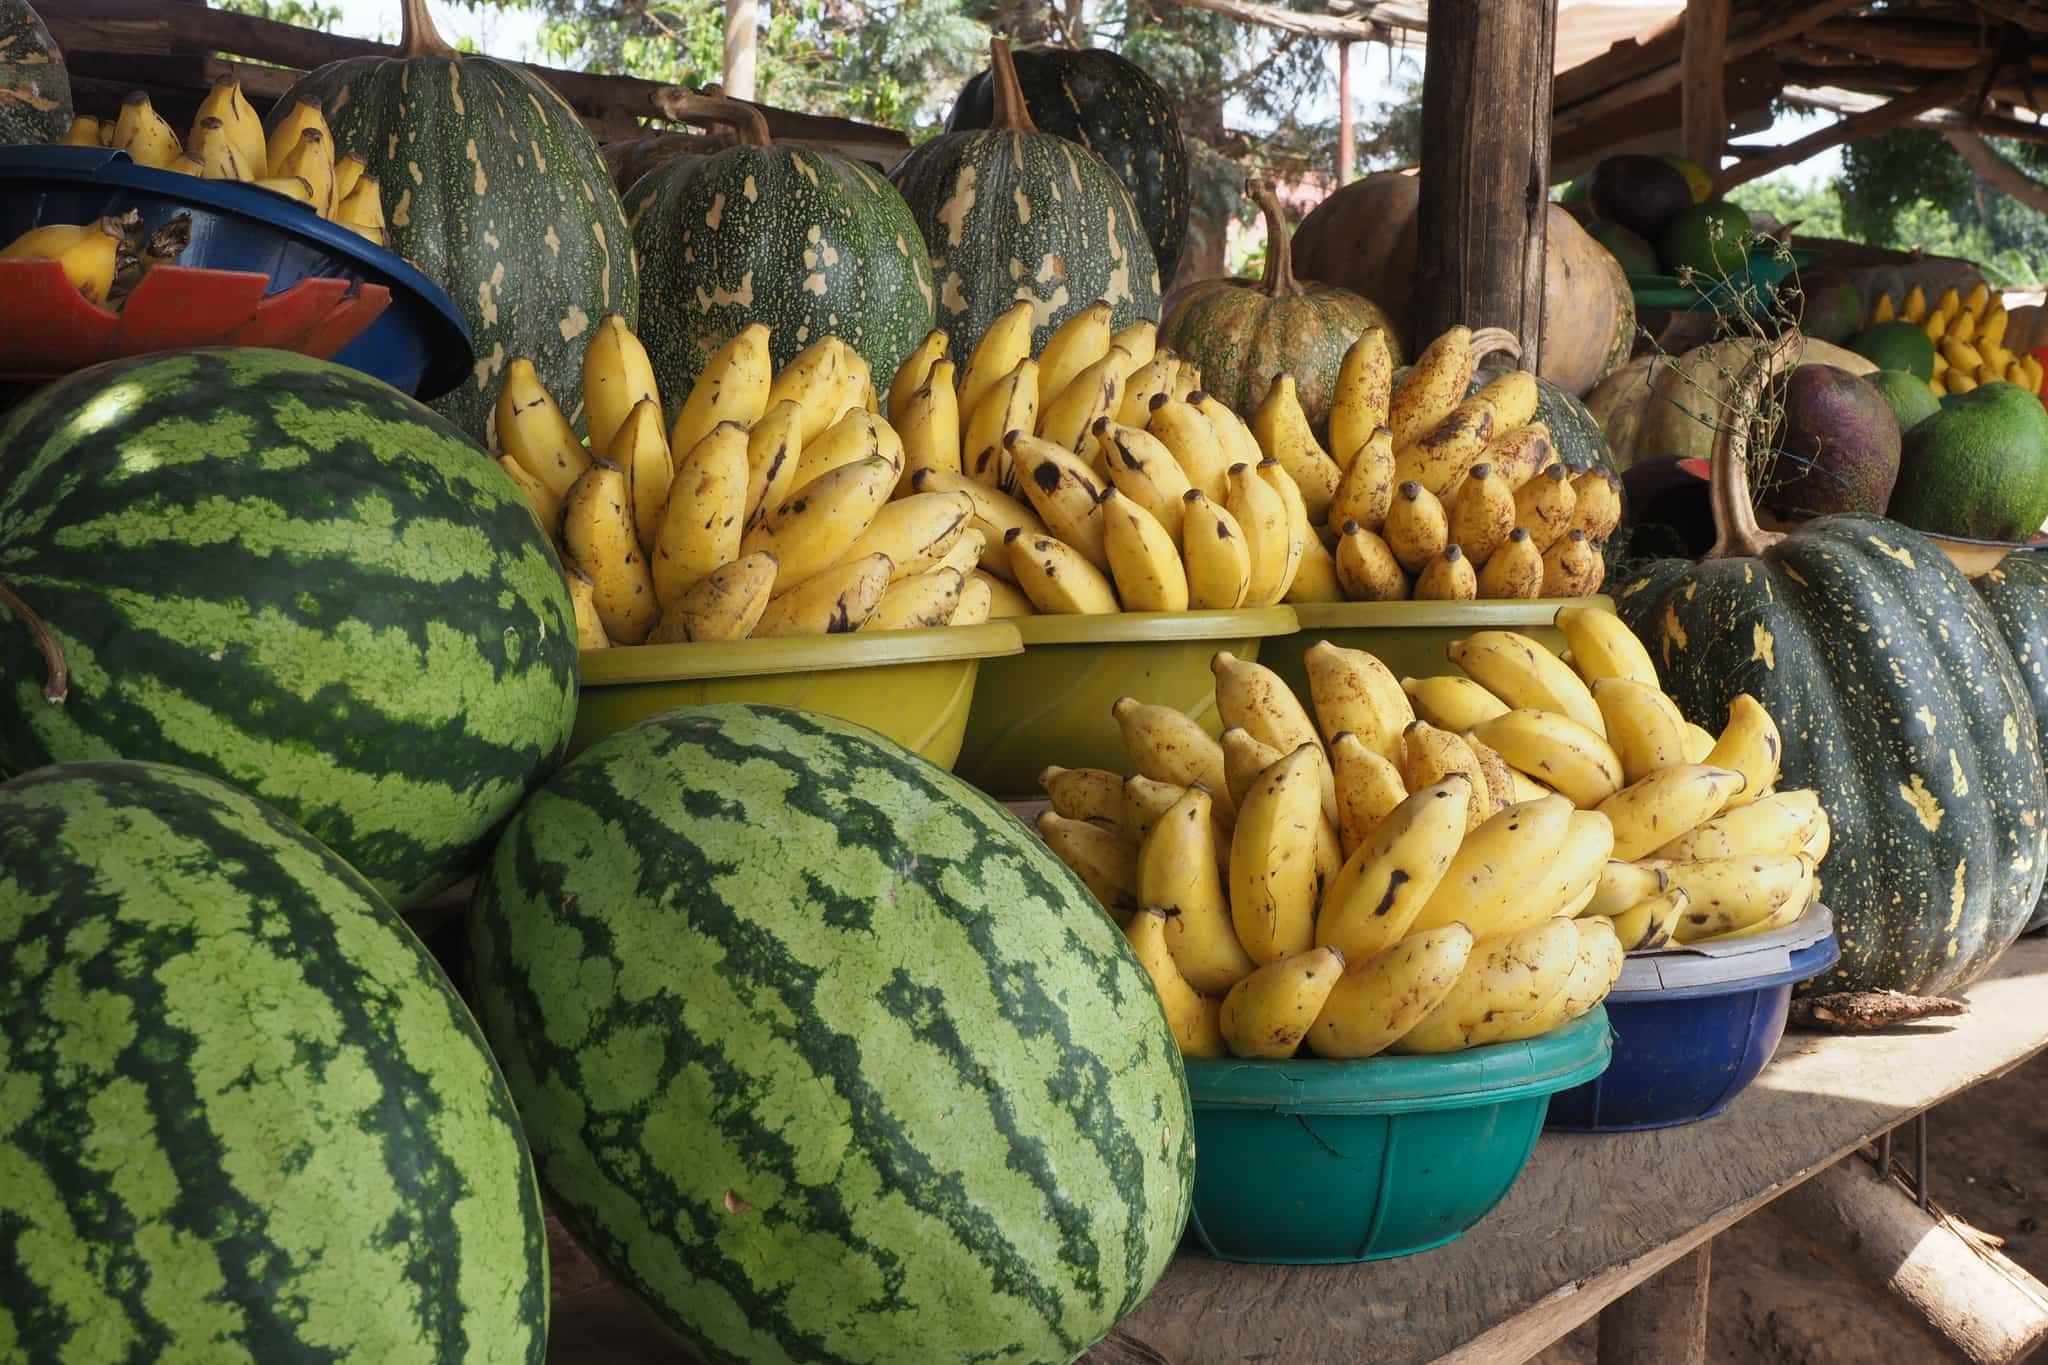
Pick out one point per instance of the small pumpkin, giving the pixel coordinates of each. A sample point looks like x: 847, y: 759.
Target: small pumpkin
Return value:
x: 1241, y: 333
x: 2017, y: 594
x: 1111, y: 106
x: 1010, y: 213
x: 35, y: 90
x: 808, y: 242
x: 1896, y: 699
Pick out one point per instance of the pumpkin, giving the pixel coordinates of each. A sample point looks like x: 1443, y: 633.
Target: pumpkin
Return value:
x: 1896, y: 699
x: 1363, y: 238
x: 1241, y: 333
x: 808, y: 242
x: 2017, y: 594
x: 1011, y: 213
x: 35, y: 91
x: 1111, y: 106
x: 629, y: 160
x: 495, y: 189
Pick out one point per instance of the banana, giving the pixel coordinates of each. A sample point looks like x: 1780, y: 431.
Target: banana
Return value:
x: 725, y: 604
x: 1010, y: 404
x: 1366, y: 567
x: 83, y: 132
x: 1435, y: 385
x: 1192, y: 1016
x: 1441, y: 456
x: 1103, y: 859
x: 312, y: 160
x: 1369, y: 787
x: 1085, y: 794
x: 1416, y: 528
x: 1213, y: 549
x: 1518, y: 455
x: 1447, y: 578
x: 1594, y: 972
x: 1066, y: 418
x: 1064, y: 491
x: 1785, y: 915
x: 216, y: 148
x: 1146, y: 386
x: 1557, y: 751
x: 583, y: 596
x: 1783, y: 822
x: 1139, y: 340
x: 977, y: 598
x: 1273, y: 872
x: 1315, y: 581
x: 995, y: 514
x: 1267, y: 1014
x: 774, y: 450
x: 1572, y: 880
x: 141, y: 132
x: 641, y: 450
x: 1482, y: 513
x: 1525, y: 674
x: 547, y: 508
x: 965, y: 552
x: 812, y: 380
x: 1733, y: 893
x: 1177, y: 871
x: 1239, y: 445
x: 1499, y: 867
x: 1387, y: 880
x: 1378, y: 999
x: 1698, y: 743
x: 1544, y: 506
x: 732, y: 388
x: 1146, y: 803
x: 1367, y: 490
x: 1515, y: 570
x: 295, y: 187
x: 836, y: 601
x: 284, y: 136
x: 1353, y: 691
x: 1006, y: 342
x: 1192, y: 441
x: 1187, y: 384
x: 1643, y: 724
x: 919, y: 602
x: 1058, y: 578
x: 1076, y: 344
x: 1283, y: 432
x: 1602, y: 647
x: 1915, y: 307
x: 1596, y: 504
x: 244, y: 130
x: 858, y: 435
x: 616, y: 375
x: 1144, y: 563
x: 532, y: 430
x: 1168, y: 746
x: 916, y: 532
x: 698, y: 526
x: 1452, y: 703
x: 1508, y: 979
x: 1512, y: 396
x: 1622, y: 885
x: 915, y: 373
x: 1429, y: 755
x: 1649, y: 923
x: 1500, y: 778
x: 1006, y: 601
x: 1667, y: 804
x: 1262, y: 517
x: 1358, y: 407
x: 1750, y: 745
x: 1301, y: 529
x: 811, y: 529
x: 89, y: 253
x: 361, y: 210
x: 597, y: 531
x: 1146, y: 472
x: 1253, y: 698
x: 1572, y: 566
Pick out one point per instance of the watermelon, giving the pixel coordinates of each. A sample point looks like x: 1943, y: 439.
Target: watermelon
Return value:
x: 243, y: 1116
x: 284, y: 573
x: 823, y: 1054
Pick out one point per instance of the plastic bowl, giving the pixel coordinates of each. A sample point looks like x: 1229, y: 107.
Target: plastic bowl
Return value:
x: 912, y: 686
x: 1694, y: 1026
x: 1051, y: 703
x: 1309, y: 1162
x: 261, y: 270
x: 1411, y: 637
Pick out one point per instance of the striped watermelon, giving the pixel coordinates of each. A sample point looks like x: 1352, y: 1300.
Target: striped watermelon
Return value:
x: 289, y: 575
x: 823, y: 1054
x: 243, y: 1116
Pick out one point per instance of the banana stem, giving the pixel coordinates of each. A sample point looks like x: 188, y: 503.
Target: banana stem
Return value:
x: 417, y: 36
x: 1278, y: 282
x: 57, y: 682
x: 1736, y: 533
x: 1011, y: 114
x: 1489, y: 341
x: 680, y: 105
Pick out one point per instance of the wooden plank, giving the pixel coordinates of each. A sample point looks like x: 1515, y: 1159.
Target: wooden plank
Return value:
x: 1664, y: 1318
x: 1702, y: 101
x: 1283, y: 20
x: 1891, y: 114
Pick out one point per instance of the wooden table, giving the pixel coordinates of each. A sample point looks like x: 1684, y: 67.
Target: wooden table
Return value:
x: 1591, y: 1218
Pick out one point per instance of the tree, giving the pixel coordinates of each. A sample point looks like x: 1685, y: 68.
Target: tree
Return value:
x: 1909, y: 188
x: 296, y: 12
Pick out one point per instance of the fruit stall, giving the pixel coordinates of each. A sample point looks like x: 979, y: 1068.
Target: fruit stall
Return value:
x: 639, y: 726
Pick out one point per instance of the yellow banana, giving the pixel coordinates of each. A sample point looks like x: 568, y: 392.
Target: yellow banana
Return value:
x: 89, y: 253
x: 1733, y: 893
x: 1447, y: 578
x: 915, y: 373
x: 733, y: 387
x: 1785, y: 915
x: 1649, y: 923
x: 1643, y: 724
x: 1519, y: 454
x: 915, y: 532
x: 836, y: 601
x: 141, y: 132
x: 812, y: 380
x: 1369, y: 787
x: 1366, y: 567
x: 1507, y: 981
x: 1315, y: 581
x: 1428, y: 755
x: 774, y: 450
x: 1283, y: 432
x: 1482, y: 514
x: 1380, y: 998
x: 1622, y: 885
x: 1213, y: 549
x: 1239, y: 445
x: 1572, y: 566
x: 1267, y: 1014
x: 348, y: 173
x: 1263, y: 518
x: 1572, y: 880
x: 1010, y: 404
x: 362, y: 209
x: 1750, y: 745
x: 1498, y: 867
x: 919, y: 602
x: 1500, y: 778
x: 1146, y: 803
x: 1544, y: 506
x: 83, y: 132
x: 1255, y: 698
x: 583, y: 596
x: 1067, y: 418
x: 1144, y: 563
x: 1698, y: 743
x: 812, y: 528
x: 547, y: 508
x: 1301, y: 531
x: 1244, y: 757
x: 215, y: 147
x: 725, y: 604
x: 1273, y: 874
x: 1105, y: 861
x: 1059, y: 579
x: 1168, y: 746
x: 977, y: 598
x: 597, y: 531
x: 856, y: 436
x: 1452, y: 703
x: 1192, y: 441
x: 995, y: 514
x: 1515, y: 570
x: 1596, y: 504
x: 285, y: 135
x: 1367, y: 491
x: 295, y: 187
x: 1435, y: 385
x: 1525, y: 674
x: 311, y: 158
x: 1359, y: 405
x: 1140, y: 341
x: 640, y: 449
x: 1076, y: 344
x: 1006, y: 600
x: 1416, y: 528
x: 1783, y: 822
x: 1145, y: 386
x: 1512, y: 396
x: 1594, y: 972
x: 1145, y: 471
x: 1193, y: 1017
x: 1085, y: 794
x: 616, y: 375
x: 532, y: 430
x: 1006, y: 341
x: 1177, y: 871
x: 1667, y: 804
x: 1442, y: 454
x: 244, y: 130
x: 698, y: 527
x: 1915, y: 307
x: 1064, y: 491
x: 1388, y: 879
x: 966, y: 550
x: 1602, y: 647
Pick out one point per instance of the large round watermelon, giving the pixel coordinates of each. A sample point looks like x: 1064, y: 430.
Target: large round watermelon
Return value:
x: 243, y: 1116
x: 822, y: 1054
x: 289, y: 575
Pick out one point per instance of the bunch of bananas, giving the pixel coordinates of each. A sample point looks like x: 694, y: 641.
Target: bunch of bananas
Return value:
x: 1968, y: 332
x: 764, y: 510
x: 226, y: 142
x: 1429, y: 864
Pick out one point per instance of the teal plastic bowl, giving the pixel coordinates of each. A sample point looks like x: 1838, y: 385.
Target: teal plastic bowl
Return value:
x: 1312, y: 1162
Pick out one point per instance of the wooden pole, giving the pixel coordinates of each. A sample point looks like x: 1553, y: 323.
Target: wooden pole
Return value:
x: 1703, y: 102
x: 1662, y: 1319
x: 742, y: 19
x: 1347, y: 133
x: 1481, y: 220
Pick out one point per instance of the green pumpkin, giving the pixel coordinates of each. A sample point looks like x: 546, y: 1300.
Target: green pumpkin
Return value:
x: 1012, y: 213
x: 2017, y: 594
x: 809, y: 243
x: 1896, y: 700
x: 495, y: 189
x: 1241, y: 333
x: 35, y: 92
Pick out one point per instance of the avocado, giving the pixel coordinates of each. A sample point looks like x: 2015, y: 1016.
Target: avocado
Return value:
x: 1978, y: 467
x: 1708, y: 238
x: 1828, y: 306
x: 1695, y: 175
x: 1637, y: 257
x: 1840, y: 448
x: 1642, y: 193
x: 1896, y: 346
x: 1912, y: 401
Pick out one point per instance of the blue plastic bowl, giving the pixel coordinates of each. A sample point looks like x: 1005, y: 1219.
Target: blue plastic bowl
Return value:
x: 1694, y: 1026
x: 420, y: 345
x: 1308, y: 1161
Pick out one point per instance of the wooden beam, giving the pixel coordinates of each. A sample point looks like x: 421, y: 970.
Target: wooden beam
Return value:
x: 1837, y: 101
x: 1703, y: 114
x: 1481, y: 220
x: 1892, y: 80
x: 1662, y: 1319
x: 1305, y: 23
x: 1924, y: 47
x: 2001, y: 174
x: 1890, y: 114
x: 2027, y: 16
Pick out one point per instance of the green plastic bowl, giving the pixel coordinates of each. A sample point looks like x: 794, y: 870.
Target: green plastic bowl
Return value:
x: 1411, y: 637
x: 913, y: 686
x: 1051, y: 703
x: 1311, y: 1162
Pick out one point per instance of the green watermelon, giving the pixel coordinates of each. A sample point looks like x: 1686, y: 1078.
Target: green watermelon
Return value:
x: 282, y: 572
x: 35, y: 89
x: 823, y: 1054
x: 243, y: 1116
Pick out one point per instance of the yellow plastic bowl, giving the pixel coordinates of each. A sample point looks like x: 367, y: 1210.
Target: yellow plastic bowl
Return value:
x: 911, y: 685
x: 1051, y: 703
x: 1412, y: 637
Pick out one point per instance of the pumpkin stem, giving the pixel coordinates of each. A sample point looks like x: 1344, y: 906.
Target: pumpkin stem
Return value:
x: 1736, y: 533
x: 417, y: 36
x: 1489, y: 341
x: 57, y: 682
x: 679, y: 104
x: 1011, y: 114
x: 1278, y: 282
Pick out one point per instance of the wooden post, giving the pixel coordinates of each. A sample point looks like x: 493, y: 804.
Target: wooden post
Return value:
x: 1481, y: 222
x: 1662, y: 1319
x: 1703, y: 105
x: 742, y: 18
x: 1347, y: 134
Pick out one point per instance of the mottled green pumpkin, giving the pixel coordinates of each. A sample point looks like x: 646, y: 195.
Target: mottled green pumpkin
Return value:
x: 810, y: 243
x: 1012, y: 214
x: 2017, y: 594
x: 494, y: 188
x: 1241, y: 333
x: 35, y: 91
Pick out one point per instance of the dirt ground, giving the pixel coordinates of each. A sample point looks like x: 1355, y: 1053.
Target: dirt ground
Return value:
x: 1775, y: 1302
